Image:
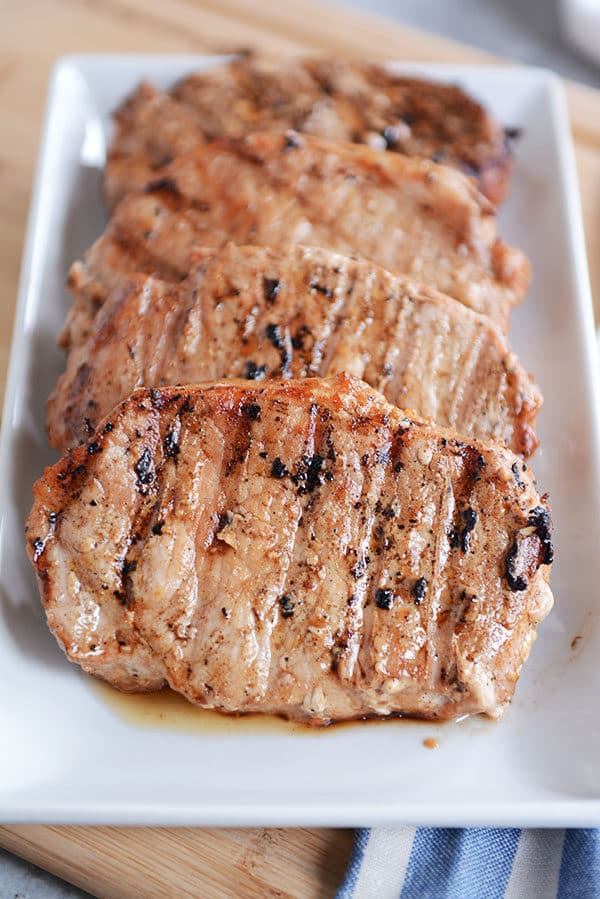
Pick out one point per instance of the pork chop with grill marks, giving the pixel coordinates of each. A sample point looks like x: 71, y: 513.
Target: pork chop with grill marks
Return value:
x: 292, y: 312
x: 334, y: 99
x: 296, y: 547
x: 408, y: 215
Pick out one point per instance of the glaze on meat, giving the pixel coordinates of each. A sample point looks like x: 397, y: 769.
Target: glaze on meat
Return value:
x: 291, y: 312
x: 336, y: 99
x: 406, y: 214
x: 299, y: 547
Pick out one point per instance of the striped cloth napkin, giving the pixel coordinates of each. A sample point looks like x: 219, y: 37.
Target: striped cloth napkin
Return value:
x: 481, y: 863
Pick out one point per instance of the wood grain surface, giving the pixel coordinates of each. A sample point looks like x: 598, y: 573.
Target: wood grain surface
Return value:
x: 119, y: 863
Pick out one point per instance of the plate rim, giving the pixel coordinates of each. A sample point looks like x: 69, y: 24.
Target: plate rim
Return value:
x: 530, y: 813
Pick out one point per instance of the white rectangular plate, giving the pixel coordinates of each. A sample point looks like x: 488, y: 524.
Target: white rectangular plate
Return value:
x: 67, y: 756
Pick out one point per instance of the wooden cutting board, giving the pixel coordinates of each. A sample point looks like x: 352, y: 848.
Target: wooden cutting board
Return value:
x: 119, y: 863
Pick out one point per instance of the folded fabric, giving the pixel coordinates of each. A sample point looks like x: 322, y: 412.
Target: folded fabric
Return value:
x: 479, y: 863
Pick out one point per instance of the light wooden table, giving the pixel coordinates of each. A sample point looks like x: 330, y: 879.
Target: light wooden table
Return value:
x: 117, y: 862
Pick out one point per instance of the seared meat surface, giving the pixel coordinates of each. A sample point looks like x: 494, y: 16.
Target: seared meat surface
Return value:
x: 299, y: 547
x: 335, y: 99
x: 409, y: 215
x: 292, y: 312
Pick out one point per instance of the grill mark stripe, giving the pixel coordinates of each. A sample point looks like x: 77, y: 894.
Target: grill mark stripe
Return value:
x: 404, y: 337
x: 295, y: 638
x: 486, y: 389
x: 194, y: 303
x: 234, y: 501
x: 145, y: 517
x: 393, y: 336
x: 346, y: 287
x: 365, y: 658
x: 357, y: 336
x: 360, y: 616
x: 207, y: 585
x: 464, y: 375
x: 441, y: 576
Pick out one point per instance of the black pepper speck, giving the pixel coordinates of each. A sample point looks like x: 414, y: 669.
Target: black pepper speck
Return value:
x: 255, y: 372
x: 419, y: 590
x: 143, y: 470
x: 287, y: 606
x: 271, y: 288
x: 384, y: 598
x: 252, y: 410
x: 38, y: 548
x: 278, y: 469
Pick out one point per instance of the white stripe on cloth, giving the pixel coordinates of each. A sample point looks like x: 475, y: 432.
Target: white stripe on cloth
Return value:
x: 384, y: 863
x: 536, y: 865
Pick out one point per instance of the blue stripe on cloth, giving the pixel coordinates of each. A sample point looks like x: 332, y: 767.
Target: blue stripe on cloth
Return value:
x: 580, y: 866
x: 460, y: 864
x: 361, y: 838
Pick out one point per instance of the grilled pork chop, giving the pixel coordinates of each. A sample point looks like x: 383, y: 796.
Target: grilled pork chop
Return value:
x: 409, y: 215
x: 296, y: 547
x: 334, y: 99
x: 292, y: 312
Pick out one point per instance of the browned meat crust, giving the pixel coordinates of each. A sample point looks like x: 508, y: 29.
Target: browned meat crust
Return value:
x: 409, y: 215
x: 334, y: 99
x: 296, y: 547
x: 292, y: 312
